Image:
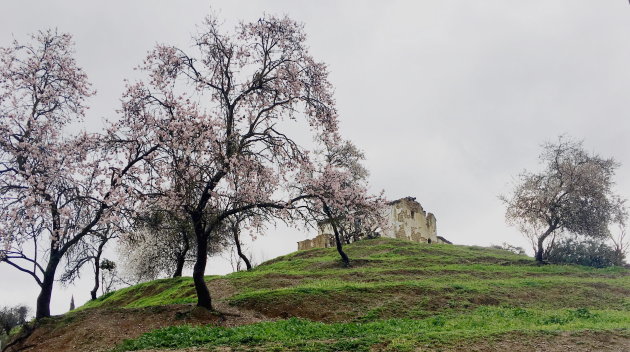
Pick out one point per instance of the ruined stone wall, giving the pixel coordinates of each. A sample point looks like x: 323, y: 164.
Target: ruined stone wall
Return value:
x: 323, y: 240
x: 406, y: 220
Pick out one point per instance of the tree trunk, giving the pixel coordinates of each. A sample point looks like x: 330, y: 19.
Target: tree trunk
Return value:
x: 237, y: 241
x: 179, y: 268
x: 203, y: 294
x: 97, y: 268
x: 344, y: 257
x: 43, y: 300
x: 181, y: 258
x: 97, y: 272
x: 540, y: 248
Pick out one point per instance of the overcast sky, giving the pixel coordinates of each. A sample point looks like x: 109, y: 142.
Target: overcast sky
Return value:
x: 448, y: 99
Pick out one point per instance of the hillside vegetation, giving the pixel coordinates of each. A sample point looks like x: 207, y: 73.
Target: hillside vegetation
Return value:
x: 397, y: 296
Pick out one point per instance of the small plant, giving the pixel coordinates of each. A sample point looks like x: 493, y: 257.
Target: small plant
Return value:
x: 583, y: 313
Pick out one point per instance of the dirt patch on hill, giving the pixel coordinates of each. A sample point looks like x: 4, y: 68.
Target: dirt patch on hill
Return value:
x: 100, y: 329
x: 584, y: 341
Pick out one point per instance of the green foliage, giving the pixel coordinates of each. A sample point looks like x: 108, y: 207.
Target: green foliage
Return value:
x: 588, y: 252
x: 11, y: 317
x: 107, y: 264
x: 394, y: 334
x: 11, y: 321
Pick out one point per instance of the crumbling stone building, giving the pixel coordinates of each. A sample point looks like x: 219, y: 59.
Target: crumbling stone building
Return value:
x: 406, y: 220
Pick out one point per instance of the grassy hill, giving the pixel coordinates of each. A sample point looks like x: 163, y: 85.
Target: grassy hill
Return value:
x: 397, y: 296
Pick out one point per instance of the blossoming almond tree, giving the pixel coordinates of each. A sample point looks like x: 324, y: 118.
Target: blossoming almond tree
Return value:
x: 55, y: 187
x: 572, y: 195
x: 218, y: 115
x: 337, y: 195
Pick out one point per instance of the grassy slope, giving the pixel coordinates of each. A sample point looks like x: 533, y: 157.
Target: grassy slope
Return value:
x: 397, y: 294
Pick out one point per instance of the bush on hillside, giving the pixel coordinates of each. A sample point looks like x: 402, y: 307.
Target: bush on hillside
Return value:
x: 588, y: 252
x: 10, y: 317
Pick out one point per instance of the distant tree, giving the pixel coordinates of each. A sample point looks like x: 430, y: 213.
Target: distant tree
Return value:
x: 234, y: 224
x: 89, y: 251
x: 572, y: 194
x: 584, y: 251
x: 72, y: 302
x: 338, y: 195
x: 11, y: 317
x: 109, y: 277
x: 620, y: 243
x: 161, y: 244
x: 508, y: 247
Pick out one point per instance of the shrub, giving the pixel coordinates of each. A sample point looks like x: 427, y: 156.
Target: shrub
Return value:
x: 588, y: 252
x: 11, y: 317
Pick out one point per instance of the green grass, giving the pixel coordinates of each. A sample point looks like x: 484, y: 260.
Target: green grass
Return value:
x: 429, y: 278
x: 397, y: 294
x: 153, y: 293
x: 391, y: 334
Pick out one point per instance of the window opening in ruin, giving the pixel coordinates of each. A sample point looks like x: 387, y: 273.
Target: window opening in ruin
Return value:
x: 413, y: 213
x: 429, y: 241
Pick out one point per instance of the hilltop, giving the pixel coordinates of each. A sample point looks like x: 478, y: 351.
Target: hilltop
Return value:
x: 397, y: 296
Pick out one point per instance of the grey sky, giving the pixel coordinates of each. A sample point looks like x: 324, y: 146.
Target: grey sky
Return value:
x: 449, y: 99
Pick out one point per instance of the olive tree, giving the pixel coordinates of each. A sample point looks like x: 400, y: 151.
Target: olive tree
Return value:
x: 572, y: 194
x: 337, y: 195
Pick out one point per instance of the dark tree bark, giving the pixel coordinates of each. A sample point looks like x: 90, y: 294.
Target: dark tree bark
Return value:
x: 239, y: 251
x: 179, y: 268
x: 97, y: 268
x: 43, y: 299
x: 181, y: 257
x: 338, y: 242
x: 540, y: 250
x: 97, y: 272
x: 203, y: 294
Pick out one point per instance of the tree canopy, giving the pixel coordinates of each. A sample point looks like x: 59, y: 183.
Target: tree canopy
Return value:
x: 572, y: 194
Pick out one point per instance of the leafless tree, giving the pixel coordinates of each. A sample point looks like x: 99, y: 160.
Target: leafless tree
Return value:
x: 620, y: 242
x: 234, y: 226
x: 572, y: 194
x: 89, y: 251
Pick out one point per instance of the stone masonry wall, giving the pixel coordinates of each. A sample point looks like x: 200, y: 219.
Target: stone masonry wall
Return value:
x: 406, y: 220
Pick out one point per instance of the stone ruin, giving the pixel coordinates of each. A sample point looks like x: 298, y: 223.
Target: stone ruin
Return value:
x: 406, y: 220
